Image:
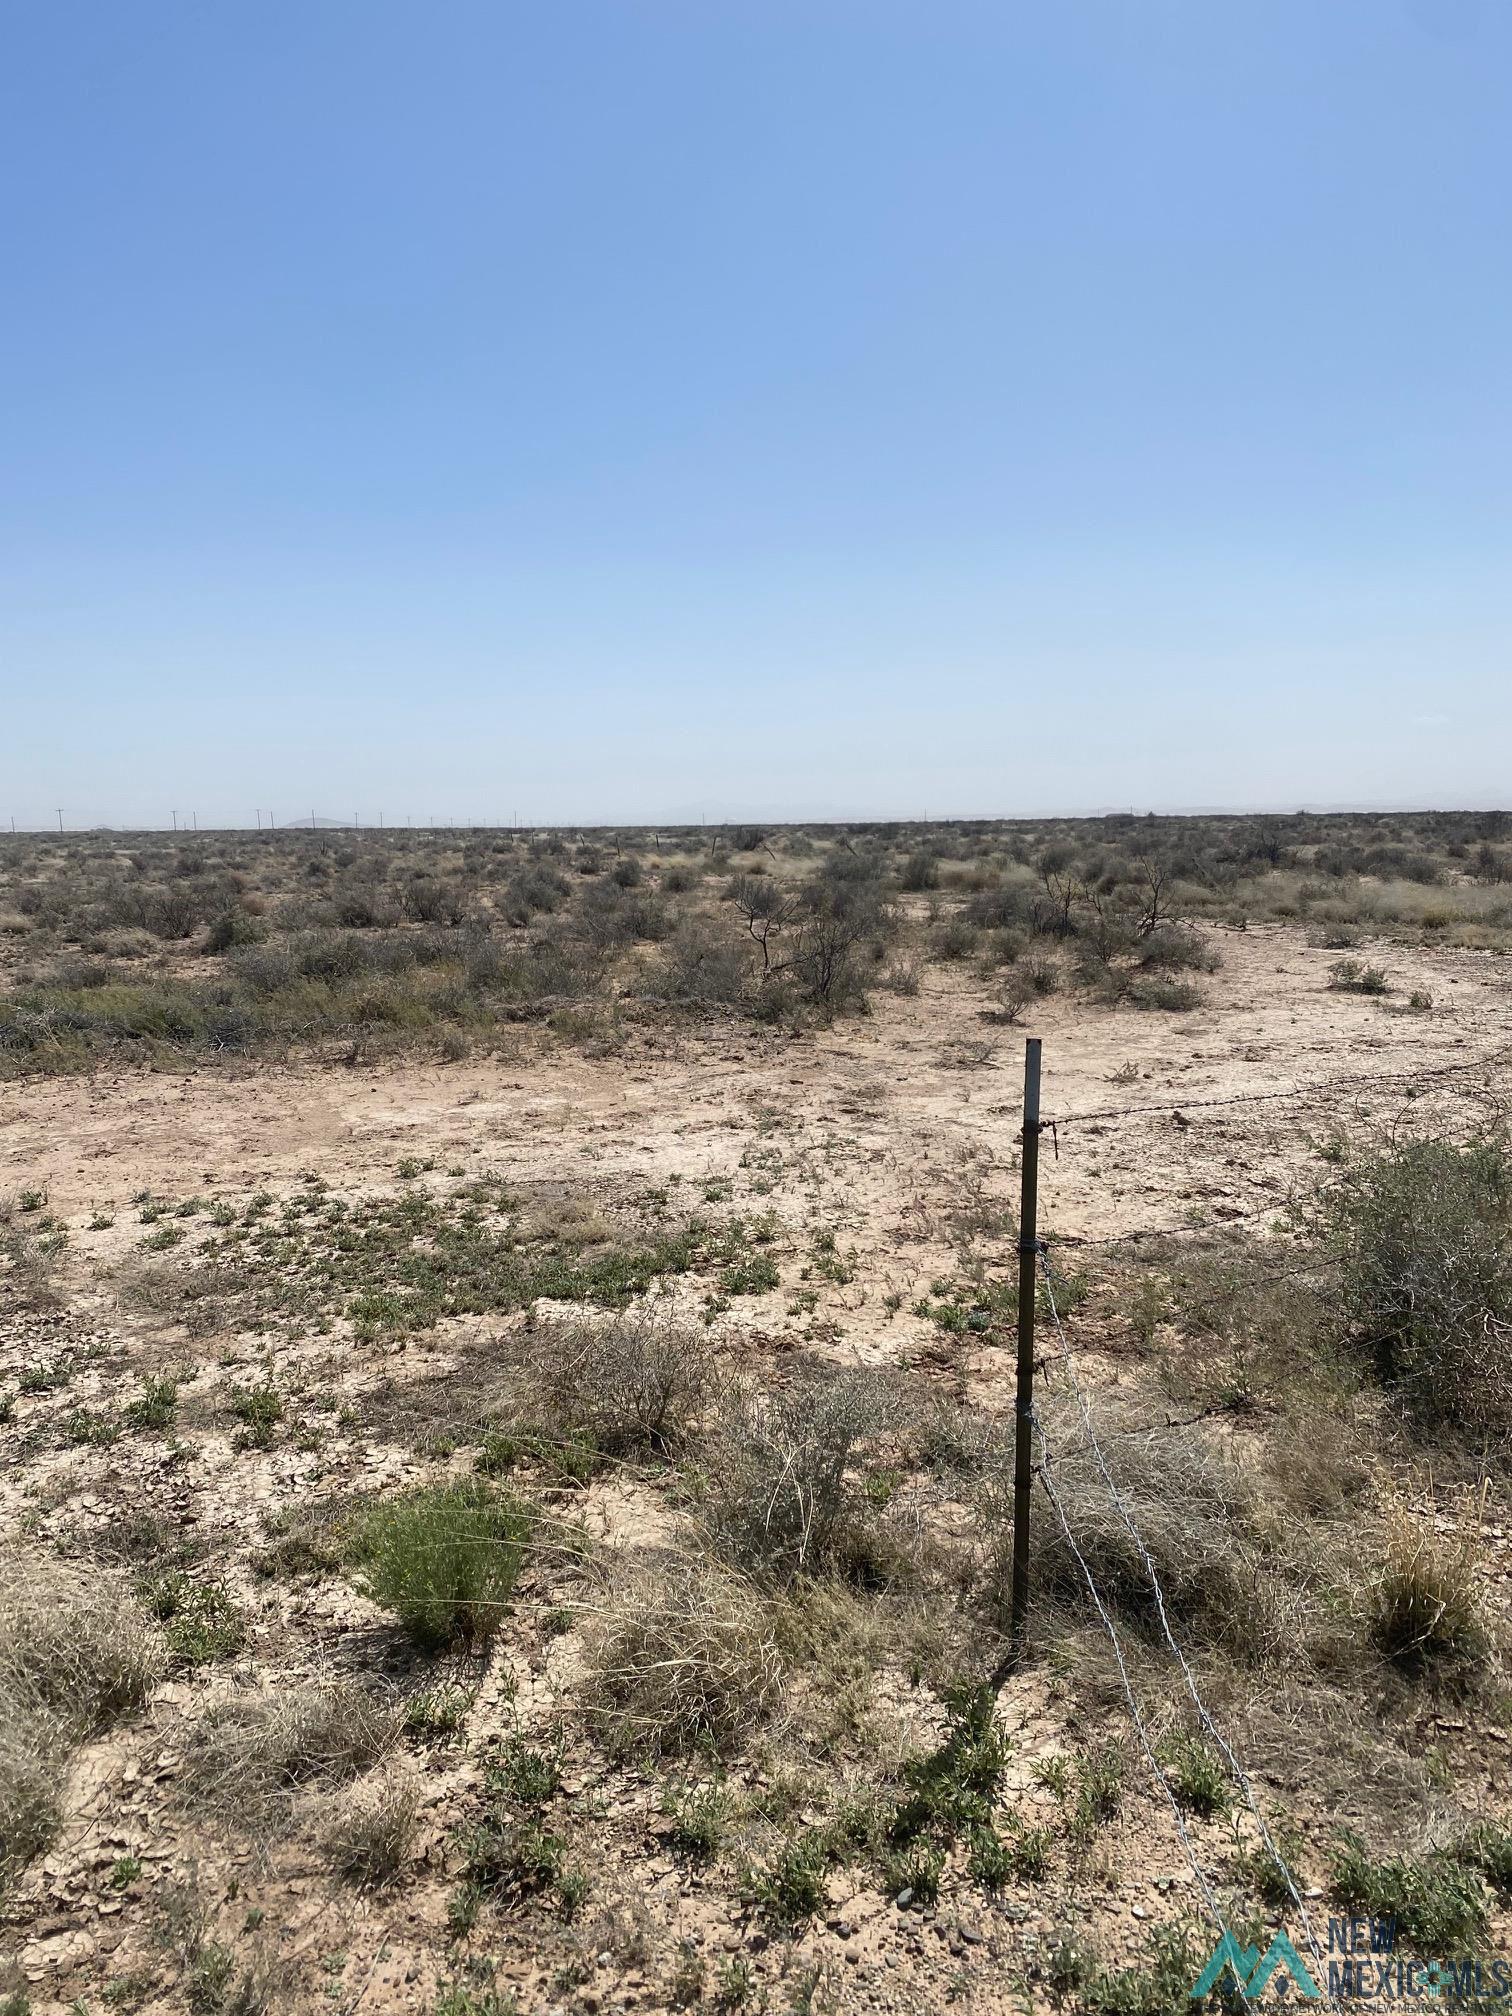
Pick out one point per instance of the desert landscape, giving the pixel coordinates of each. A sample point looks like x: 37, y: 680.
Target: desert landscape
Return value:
x: 507, y: 1400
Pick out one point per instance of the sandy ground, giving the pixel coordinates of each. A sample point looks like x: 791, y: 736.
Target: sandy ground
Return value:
x: 893, y: 1105
x: 883, y: 1129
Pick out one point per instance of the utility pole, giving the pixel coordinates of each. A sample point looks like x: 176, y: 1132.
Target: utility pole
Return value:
x: 60, y: 818
x: 1028, y: 1283
x: 174, y: 817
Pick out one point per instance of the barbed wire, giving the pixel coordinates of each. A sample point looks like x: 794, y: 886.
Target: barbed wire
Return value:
x: 1120, y: 1505
x: 1426, y: 1075
x: 1047, y: 1479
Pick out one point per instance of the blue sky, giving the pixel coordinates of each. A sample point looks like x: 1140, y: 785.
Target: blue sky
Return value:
x: 653, y: 409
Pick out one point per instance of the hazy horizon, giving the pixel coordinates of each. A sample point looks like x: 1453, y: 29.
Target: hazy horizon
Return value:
x: 753, y: 816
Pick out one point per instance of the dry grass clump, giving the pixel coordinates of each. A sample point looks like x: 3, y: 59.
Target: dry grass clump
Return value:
x: 369, y: 1831
x: 75, y: 1652
x: 33, y: 1757
x: 72, y: 1642
x: 252, y: 1754
x: 1193, y: 1509
x: 783, y: 1492
x: 1425, y: 1607
x: 637, y: 1381
x: 682, y: 1658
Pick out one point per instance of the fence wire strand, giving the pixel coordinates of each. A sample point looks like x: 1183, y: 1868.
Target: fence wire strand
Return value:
x: 1427, y: 1075
x: 1047, y: 1478
x: 1067, y: 1360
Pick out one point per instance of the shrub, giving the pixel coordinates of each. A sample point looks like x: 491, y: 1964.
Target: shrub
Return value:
x: 680, y: 1659
x: 1422, y: 1236
x: 1488, y: 1847
x: 200, y: 1620
x: 1197, y: 1775
x: 700, y: 1816
x: 949, y: 1790
x: 1348, y: 976
x: 790, y: 1887
x: 703, y: 964
x: 233, y: 927
x: 509, y: 1858
x: 635, y: 1382
x: 955, y: 939
x: 444, y: 1559
x: 1173, y: 997
x: 781, y: 1493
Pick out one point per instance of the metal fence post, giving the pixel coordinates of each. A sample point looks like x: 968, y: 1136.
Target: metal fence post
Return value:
x: 1028, y: 1255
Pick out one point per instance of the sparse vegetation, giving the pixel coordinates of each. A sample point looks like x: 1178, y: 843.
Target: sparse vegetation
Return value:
x: 589, y: 1485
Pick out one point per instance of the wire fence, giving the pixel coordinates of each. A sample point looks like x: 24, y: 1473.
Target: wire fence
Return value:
x: 1064, y: 1364
x: 1120, y: 1503
x: 1428, y: 1074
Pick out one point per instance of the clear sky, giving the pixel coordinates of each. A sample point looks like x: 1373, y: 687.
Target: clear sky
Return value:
x: 640, y: 409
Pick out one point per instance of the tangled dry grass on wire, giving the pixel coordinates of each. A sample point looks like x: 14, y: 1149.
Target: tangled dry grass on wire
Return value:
x: 1193, y: 1508
x: 681, y: 1658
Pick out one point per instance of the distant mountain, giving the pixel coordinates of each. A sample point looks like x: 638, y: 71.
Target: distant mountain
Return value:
x: 312, y: 823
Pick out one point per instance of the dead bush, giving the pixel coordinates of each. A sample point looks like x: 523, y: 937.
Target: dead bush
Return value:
x: 637, y: 1381
x: 681, y: 1658
x: 782, y: 1494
